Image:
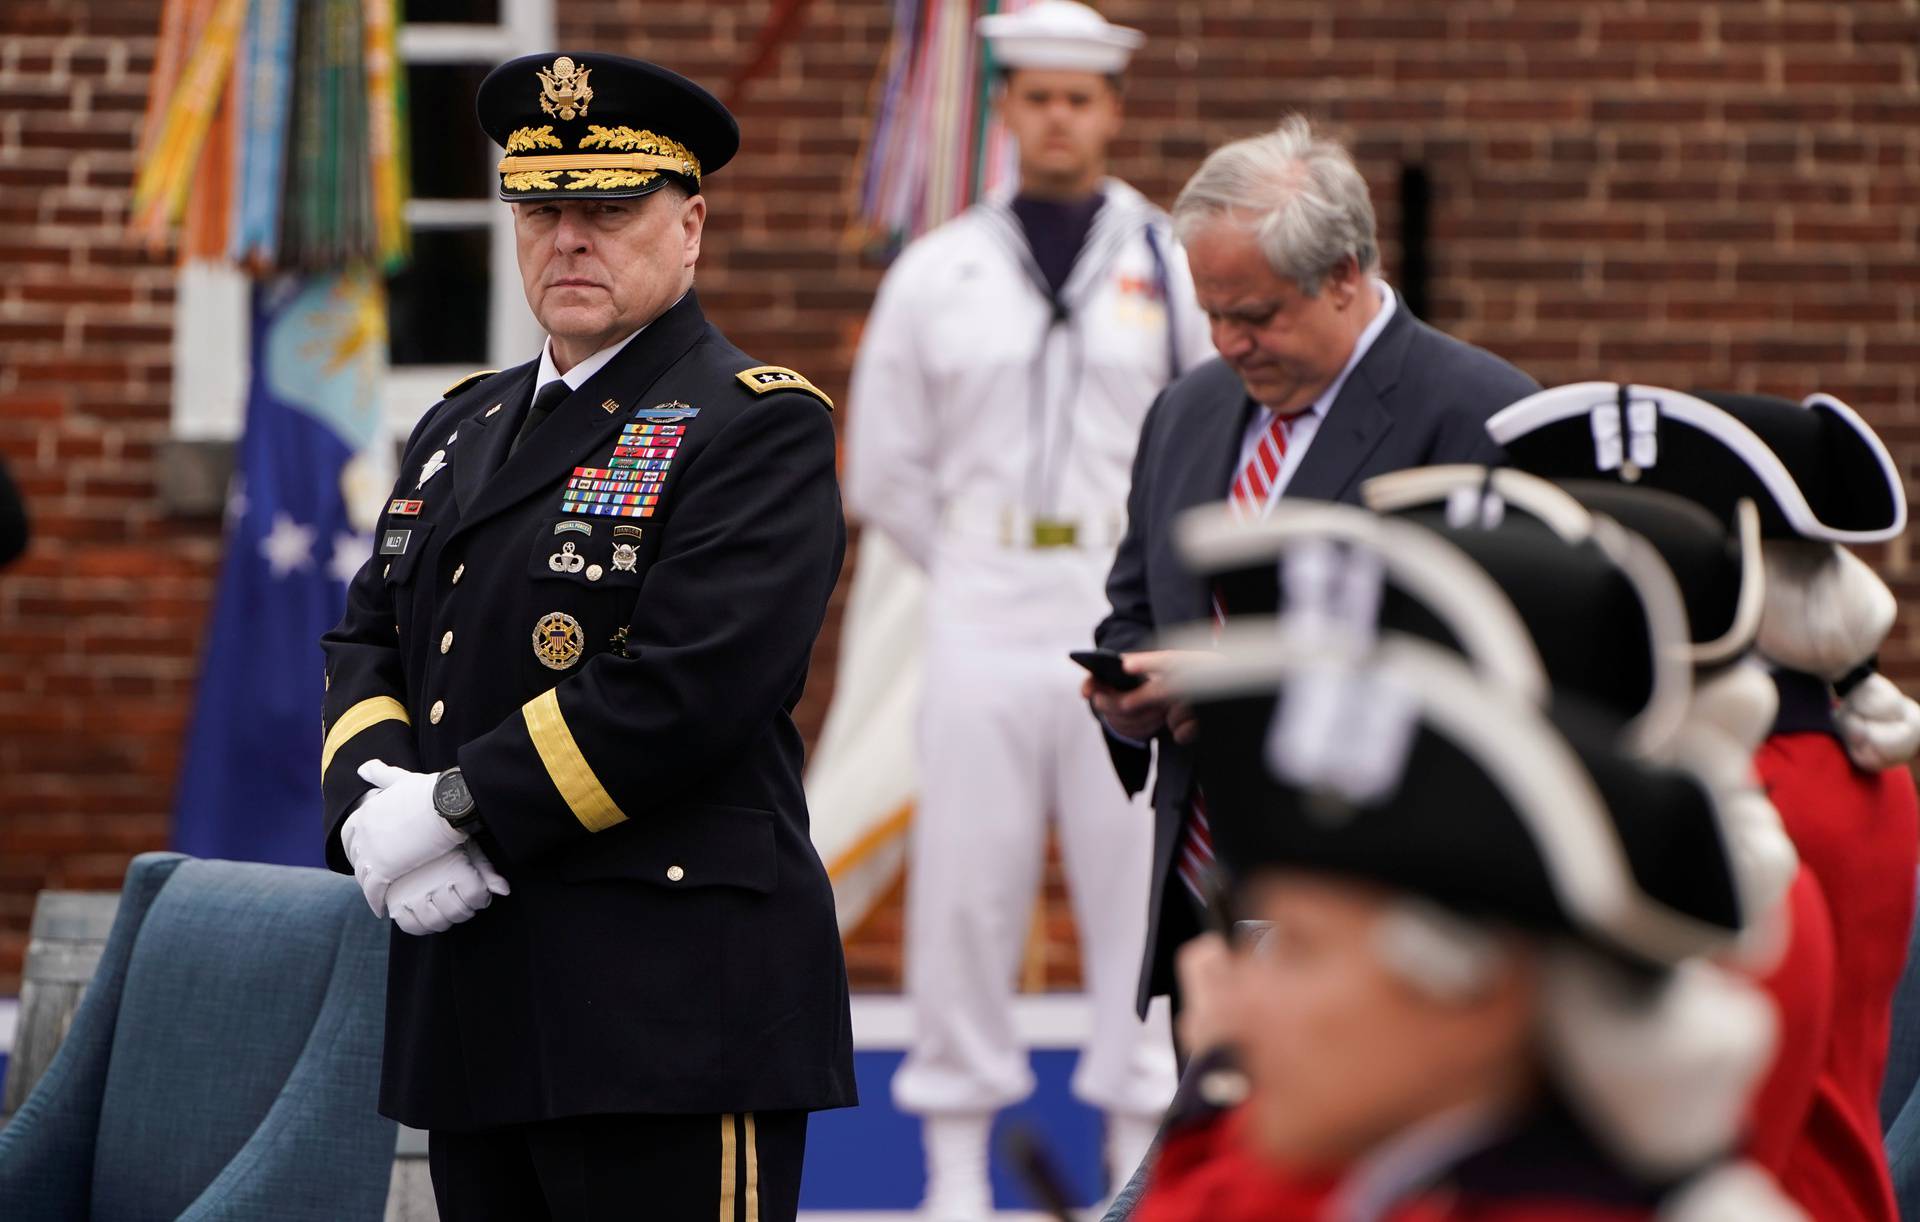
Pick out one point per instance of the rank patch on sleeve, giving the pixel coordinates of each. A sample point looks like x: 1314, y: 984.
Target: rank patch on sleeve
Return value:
x: 766, y: 379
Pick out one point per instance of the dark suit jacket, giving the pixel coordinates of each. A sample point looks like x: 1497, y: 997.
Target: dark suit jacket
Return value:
x: 1416, y: 398
x: 670, y: 943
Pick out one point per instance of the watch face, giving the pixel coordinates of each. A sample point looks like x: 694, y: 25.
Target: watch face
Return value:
x: 450, y: 793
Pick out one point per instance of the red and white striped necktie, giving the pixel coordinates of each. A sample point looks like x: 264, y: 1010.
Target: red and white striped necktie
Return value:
x: 1250, y: 495
x: 1252, y: 489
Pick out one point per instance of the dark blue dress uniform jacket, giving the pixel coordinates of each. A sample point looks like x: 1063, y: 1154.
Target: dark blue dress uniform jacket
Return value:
x: 670, y: 944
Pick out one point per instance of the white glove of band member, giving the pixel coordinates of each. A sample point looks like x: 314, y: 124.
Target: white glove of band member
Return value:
x: 394, y: 830
x: 445, y: 892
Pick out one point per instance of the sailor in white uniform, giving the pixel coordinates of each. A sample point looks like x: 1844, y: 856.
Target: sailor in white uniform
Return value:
x: 1001, y: 383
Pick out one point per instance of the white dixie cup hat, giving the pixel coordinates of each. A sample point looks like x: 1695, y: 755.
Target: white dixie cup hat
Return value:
x: 1059, y: 34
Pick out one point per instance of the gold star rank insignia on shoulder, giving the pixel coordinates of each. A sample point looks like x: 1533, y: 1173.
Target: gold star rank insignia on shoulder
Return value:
x: 766, y: 379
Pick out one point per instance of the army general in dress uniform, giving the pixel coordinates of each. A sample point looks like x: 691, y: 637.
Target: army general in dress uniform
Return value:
x: 559, y: 749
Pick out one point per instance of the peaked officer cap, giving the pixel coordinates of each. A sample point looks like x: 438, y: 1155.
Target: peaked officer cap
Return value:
x: 1815, y: 469
x: 1059, y: 34
x: 1410, y: 772
x: 591, y: 126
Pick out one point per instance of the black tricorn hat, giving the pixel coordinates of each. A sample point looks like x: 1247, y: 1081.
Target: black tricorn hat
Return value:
x: 1815, y: 469
x: 591, y: 126
x: 1579, y: 612
x: 1718, y: 569
x: 1410, y: 772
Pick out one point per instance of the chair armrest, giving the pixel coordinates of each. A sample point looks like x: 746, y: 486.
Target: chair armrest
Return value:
x: 323, y: 1153
x: 46, y: 1151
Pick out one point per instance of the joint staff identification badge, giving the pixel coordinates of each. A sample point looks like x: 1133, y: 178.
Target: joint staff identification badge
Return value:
x: 558, y: 641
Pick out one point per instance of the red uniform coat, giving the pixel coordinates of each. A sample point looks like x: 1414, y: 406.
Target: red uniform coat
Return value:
x: 1802, y: 988
x: 1858, y: 833
x: 1206, y: 1173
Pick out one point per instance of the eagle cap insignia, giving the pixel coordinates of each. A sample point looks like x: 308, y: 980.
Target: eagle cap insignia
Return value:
x: 564, y: 90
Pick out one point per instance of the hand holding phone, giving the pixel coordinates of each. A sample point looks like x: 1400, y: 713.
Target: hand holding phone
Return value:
x: 1108, y: 668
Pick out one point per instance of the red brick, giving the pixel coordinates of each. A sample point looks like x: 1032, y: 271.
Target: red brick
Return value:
x: 1854, y: 71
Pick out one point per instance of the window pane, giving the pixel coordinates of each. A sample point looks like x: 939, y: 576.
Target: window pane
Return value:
x: 452, y: 157
x: 463, y: 12
x: 437, y: 307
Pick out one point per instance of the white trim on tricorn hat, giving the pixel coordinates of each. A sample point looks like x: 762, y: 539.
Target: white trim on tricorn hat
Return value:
x: 1628, y: 444
x: 1471, y: 494
x: 1059, y: 34
x: 1526, y: 757
x: 1211, y: 538
x: 1666, y: 610
x: 1466, y: 599
x: 1416, y: 487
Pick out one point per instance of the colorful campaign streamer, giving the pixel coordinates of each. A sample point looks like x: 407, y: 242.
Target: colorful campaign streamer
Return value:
x: 934, y: 147
x: 275, y: 134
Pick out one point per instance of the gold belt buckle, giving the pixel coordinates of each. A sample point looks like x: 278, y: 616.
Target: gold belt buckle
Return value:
x: 1050, y: 532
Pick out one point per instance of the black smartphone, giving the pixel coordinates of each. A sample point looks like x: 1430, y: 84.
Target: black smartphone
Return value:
x: 1106, y: 666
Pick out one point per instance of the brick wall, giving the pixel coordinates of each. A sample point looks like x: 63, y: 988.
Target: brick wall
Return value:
x: 100, y: 622
x: 1676, y: 191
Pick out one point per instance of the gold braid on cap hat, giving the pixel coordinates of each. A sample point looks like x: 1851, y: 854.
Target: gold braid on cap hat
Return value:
x: 651, y: 153
x: 533, y: 138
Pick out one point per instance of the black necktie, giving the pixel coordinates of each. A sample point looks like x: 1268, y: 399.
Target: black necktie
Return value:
x: 543, y: 404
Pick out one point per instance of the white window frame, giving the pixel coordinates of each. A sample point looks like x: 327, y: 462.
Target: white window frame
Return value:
x: 211, y: 370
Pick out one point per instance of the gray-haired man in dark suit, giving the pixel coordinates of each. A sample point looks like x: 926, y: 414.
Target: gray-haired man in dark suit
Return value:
x: 1324, y: 379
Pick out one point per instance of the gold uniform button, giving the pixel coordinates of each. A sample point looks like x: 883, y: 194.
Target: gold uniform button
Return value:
x: 446, y: 641
x: 675, y: 874
x: 457, y: 572
x: 438, y: 711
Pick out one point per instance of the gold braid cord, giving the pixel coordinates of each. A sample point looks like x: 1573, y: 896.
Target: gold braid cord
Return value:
x: 533, y: 138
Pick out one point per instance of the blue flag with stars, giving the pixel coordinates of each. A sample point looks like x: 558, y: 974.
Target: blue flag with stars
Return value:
x: 312, y: 469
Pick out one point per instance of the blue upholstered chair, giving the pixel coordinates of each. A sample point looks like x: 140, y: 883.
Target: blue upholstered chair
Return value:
x: 224, y: 1064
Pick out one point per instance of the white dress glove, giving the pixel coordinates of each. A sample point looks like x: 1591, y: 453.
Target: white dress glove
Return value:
x: 445, y: 892
x: 394, y: 830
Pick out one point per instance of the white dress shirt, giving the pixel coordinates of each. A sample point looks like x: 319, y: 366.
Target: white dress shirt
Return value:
x: 1304, y: 427
x: 576, y: 377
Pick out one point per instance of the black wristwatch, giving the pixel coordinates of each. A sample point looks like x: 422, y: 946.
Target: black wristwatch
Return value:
x: 453, y: 799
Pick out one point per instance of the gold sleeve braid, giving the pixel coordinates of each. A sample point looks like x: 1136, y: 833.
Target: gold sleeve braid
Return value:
x: 361, y: 717
x: 566, y: 767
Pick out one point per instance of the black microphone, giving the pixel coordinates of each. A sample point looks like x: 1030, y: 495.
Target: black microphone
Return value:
x: 1028, y: 1152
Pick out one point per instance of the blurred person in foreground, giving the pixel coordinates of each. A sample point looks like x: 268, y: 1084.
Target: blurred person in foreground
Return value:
x: 997, y: 397
x: 1471, y: 983
x: 1324, y: 378
x: 1834, y: 757
x: 559, y: 746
